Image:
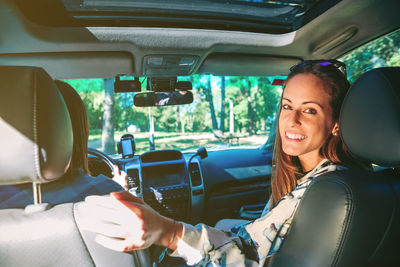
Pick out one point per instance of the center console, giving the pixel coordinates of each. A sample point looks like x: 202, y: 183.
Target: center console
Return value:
x: 165, y: 183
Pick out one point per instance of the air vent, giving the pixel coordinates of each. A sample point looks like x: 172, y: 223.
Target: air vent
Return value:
x: 133, y: 179
x: 195, y: 175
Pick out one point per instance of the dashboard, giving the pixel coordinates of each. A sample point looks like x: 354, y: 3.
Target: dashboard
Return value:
x: 191, y: 189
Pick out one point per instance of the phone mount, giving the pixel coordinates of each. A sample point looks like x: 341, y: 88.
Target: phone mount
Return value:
x: 126, y: 146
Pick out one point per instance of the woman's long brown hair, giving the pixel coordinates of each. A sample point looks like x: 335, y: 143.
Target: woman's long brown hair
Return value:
x: 80, y: 125
x: 287, y: 169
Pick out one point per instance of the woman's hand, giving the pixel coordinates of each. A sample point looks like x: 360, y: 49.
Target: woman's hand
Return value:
x: 120, y: 177
x: 124, y: 223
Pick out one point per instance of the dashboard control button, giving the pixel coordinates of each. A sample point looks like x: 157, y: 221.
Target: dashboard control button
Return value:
x: 197, y: 192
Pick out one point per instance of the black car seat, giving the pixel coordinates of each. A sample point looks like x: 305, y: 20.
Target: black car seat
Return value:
x: 352, y: 218
x: 36, y: 141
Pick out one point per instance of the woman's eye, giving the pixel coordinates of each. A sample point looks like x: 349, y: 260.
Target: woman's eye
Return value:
x: 310, y: 111
x: 285, y: 106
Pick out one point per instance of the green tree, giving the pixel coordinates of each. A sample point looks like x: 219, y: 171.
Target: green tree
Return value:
x: 222, y: 116
x: 209, y: 97
x: 108, y: 143
x: 378, y: 53
x: 92, y: 94
x: 245, y: 100
x: 268, y: 97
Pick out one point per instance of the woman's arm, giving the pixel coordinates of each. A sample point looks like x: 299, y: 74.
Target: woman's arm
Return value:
x: 126, y: 223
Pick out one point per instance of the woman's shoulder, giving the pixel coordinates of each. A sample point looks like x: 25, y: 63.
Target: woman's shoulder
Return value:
x: 323, y: 167
x: 328, y: 166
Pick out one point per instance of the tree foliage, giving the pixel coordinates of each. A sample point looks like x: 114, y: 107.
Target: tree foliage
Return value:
x: 384, y: 51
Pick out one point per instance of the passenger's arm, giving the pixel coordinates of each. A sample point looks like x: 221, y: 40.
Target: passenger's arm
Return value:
x: 125, y: 223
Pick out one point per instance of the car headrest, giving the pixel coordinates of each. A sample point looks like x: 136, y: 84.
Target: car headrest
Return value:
x: 370, y: 117
x: 35, y: 127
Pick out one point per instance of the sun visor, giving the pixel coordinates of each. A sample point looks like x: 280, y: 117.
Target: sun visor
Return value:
x: 62, y: 65
x: 227, y: 64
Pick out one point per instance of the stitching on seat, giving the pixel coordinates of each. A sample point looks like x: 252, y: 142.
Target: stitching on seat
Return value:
x: 74, y: 213
x: 34, y: 121
x: 347, y: 220
x: 390, y: 223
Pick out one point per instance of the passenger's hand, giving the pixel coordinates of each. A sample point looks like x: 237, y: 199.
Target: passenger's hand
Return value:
x: 124, y: 223
x: 120, y: 177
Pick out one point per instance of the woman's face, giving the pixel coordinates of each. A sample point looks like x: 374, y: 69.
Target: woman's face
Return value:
x: 305, y: 119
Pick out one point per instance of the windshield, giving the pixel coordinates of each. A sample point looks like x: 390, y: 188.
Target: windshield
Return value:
x: 226, y: 112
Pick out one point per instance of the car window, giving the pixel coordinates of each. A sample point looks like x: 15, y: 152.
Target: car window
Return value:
x: 382, y: 52
x: 249, y: 107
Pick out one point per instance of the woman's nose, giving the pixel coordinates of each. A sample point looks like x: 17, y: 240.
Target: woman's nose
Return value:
x: 294, y: 118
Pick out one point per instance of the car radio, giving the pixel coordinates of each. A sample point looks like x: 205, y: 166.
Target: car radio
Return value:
x: 165, y: 183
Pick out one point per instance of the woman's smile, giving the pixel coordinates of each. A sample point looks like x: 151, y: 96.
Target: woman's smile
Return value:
x: 295, y: 136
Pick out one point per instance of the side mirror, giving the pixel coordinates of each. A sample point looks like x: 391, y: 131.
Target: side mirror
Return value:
x: 151, y: 99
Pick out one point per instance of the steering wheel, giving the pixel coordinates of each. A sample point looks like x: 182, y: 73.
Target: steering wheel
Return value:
x: 104, y: 159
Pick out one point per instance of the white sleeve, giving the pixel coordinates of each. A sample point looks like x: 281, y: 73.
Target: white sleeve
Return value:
x: 202, y: 245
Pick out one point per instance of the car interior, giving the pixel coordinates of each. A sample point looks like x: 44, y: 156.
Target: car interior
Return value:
x: 346, y: 218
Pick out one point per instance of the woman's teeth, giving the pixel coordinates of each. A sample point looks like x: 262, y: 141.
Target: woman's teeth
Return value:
x: 295, y: 136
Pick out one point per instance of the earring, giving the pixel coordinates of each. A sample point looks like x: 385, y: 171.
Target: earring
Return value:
x: 335, y: 133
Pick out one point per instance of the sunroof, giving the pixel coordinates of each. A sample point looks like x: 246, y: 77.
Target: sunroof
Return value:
x: 239, y: 15
x: 252, y: 9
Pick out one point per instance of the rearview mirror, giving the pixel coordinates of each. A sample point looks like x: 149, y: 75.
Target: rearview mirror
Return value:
x: 151, y: 99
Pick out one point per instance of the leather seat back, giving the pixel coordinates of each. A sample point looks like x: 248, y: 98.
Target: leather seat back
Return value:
x: 36, y: 140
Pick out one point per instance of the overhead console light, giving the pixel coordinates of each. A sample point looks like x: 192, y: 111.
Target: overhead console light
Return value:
x: 169, y: 65
x: 187, y: 61
x: 161, y: 84
x: 155, y: 61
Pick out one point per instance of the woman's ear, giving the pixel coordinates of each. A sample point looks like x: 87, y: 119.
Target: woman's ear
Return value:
x: 335, y: 130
